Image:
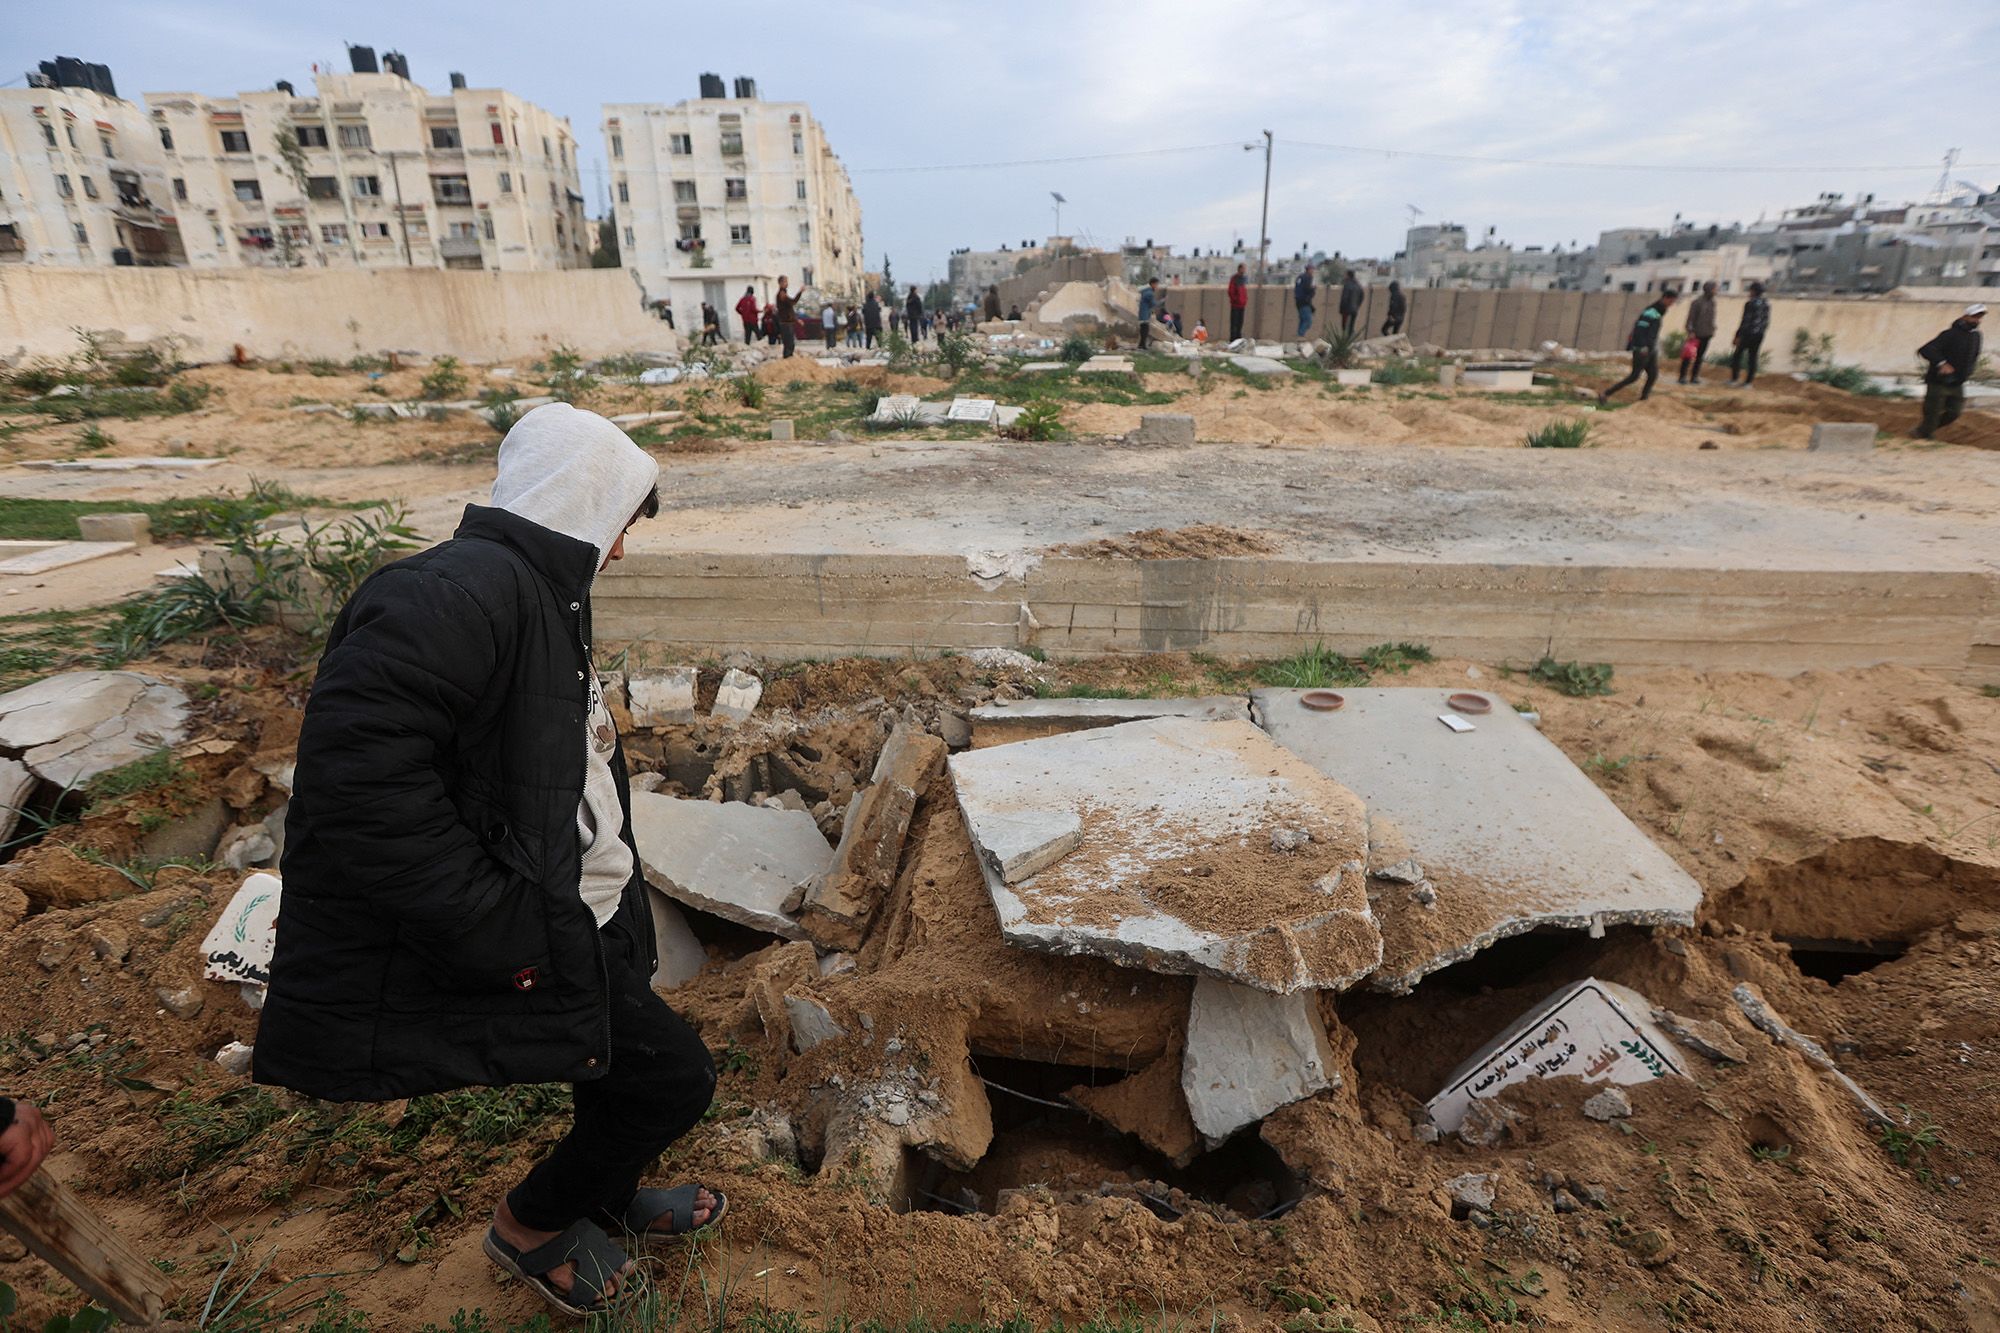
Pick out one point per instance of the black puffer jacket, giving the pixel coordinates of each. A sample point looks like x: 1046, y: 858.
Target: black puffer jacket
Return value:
x: 1958, y: 347
x: 431, y: 934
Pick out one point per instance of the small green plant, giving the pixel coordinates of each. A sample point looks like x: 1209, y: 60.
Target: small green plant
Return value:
x: 1671, y: 345
x: 94, y: 438
x: 1339, y: 353
x: 1041, y: 419
x: 1396, y: 657
x: 1848, y: 379
x: 1076, y: 349
x: 1905, y: 1146
x: 897, y: 348
x: 749, y: 391
x: 158, y: 769
x: 1400, y: 372
x: 1809, y: 354
x: 1313, y: 668
x: 955, y: 350
x: 1569, y: 433
x: 1577, y: 679
x: 501, y: 409
x: 565, y: 376
x: 443, y: 380
x: 622, y: 367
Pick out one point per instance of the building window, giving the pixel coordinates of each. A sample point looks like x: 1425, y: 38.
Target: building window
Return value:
x: 546, y: 154
x: 166, y: 138
x: 322, y: 187
x: 248, y: 192
x: 499, y: 133
x: 624, y: 193
x: 89, y: 188
x: 801, y: 187
x: 684, y: 192
x: 355, y: 136
x: 739, y: 233
x: 451, y: 189
x: 70, y: 132
x: 49, y: 133
x: 486, y: 227
x: 506, y: 182
x: 297, y: 234
x: 680, y: 145
x: 104, y: 142
x: 446, y: 137
x: 374, y: 231
x: 629, y: 238
x: 365, y: 187
x: 735, y: 187
x: 732, y: 143
x: 81, y: 233
x: 798, y: 142
x: 463, y: 231
x: 690, y: 231
x: 64, y: 188
x: 310, y: 136
x: 805, y: 233
x: 333, y: 233
x: 235, y: 141
x: 417, y: 229
x: 180, y: 188
x: 617, y: 145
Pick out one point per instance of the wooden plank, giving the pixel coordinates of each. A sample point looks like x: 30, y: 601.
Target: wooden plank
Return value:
x: 59, y: 1230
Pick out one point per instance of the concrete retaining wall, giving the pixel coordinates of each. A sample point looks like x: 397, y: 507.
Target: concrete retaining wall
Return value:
x: 808, y: 605
x: 302, y: 313
x: 1023, y: 289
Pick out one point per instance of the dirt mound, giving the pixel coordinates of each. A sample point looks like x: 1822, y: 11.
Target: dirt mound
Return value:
x: 1200, y: 541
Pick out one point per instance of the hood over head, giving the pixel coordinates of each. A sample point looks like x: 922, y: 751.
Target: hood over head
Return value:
x: 575, y: 473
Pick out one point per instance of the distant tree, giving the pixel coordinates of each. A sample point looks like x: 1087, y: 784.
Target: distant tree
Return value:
x: 606, y: 253
x: 938, y: 296
x: 888, y: 278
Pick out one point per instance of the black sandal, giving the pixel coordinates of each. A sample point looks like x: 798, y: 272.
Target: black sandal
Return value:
x: 650, y: 1205
x: 595, y: 1260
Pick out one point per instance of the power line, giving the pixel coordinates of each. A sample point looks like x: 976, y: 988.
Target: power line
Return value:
x: 1049, y: 161
x: 1609, y: 166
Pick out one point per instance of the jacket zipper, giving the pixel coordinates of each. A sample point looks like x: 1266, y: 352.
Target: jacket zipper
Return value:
x: 596, y: 934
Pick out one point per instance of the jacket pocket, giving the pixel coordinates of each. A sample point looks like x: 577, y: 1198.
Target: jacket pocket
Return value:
x: 504, y: 950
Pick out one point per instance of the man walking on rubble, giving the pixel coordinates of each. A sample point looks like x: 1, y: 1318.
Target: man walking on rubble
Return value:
x: 1644, y: 344
x: 1701, y: 328
x: 1950, y: 358
x: 462, y: 900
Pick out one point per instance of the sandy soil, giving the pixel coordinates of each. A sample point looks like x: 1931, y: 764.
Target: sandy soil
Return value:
x: 1855, y: 806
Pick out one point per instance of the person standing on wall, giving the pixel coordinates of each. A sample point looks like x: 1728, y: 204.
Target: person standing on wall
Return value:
x: 871, y: 319
x: 1952, y: 356
x: 1644, y: 344
x: 746, y: 310
x: 1700, y: 329
x: 788, y: 310
x: 993, y: 302
x: 1750, y: 335
x: 1303, y: 293
x: 1150, y: 308
x: 913, y: 316
x: 1398, y: 305
x: 464, y: 904
x: 1239, y: 301
x: 1352, y: 297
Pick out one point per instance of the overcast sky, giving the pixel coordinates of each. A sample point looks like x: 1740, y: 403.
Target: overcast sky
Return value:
x: 1848, y: 89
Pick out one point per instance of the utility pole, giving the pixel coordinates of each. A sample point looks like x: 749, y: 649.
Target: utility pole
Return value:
x: 1263, y: 238
x: 402, y: 219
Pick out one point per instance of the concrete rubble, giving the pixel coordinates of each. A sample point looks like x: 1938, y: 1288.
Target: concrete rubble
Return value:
x: 737, y: 697
x: 67, y: 729
x: 27, y: 558
x: 1842, y: 437
x: 661, y: 696
x: 1547, y: 848
x: 17, y: 783
x: 1024, y: 719
x: 737, y: 861
x: 681, y: 953
x: 1765, y: 1020
x: 837, y: 905
x: 1250, y: 1052
x: 1154, y: 796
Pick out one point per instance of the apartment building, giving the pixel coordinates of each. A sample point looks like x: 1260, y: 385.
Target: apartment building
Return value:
x: 82, y: 180
x: 373, y: 171
x: 719, y: 193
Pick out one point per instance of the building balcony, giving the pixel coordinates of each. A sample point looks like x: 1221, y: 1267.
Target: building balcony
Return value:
x: 459, y: 247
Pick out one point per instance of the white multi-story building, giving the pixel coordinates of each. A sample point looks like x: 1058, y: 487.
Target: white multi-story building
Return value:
x: 82, y: 179
x: 373, y: 171
x: 717, y: 193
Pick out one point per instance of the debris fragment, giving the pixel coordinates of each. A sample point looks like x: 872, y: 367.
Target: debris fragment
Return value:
x: 1611, y: 1104
x: 741, y: 862
x: 837, y: 904
x: 1767, y: 1021
x: 1472, y: 1192
x: 737, y: 697
x: 1706, y: 1038
x: 1250, y: 1052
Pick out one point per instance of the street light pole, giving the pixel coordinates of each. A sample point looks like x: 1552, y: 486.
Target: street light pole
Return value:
x: 1263, y: 238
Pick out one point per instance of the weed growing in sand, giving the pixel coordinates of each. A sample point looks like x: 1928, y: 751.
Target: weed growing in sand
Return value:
x: 1908, y: 1146
x: 158, y: 769
x: 1076, y: 349
x: 1579, y: 680
x: 443, y: 380
x: 749, y: 391
x: 1398, y: 657
x: 564, y: 375
x: 1039, y: 420
x: 1320, y: 667
x: 955, y: 350
x: 1570, y: 433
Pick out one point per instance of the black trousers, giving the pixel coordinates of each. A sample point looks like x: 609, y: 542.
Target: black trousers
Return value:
x: 660, y: 1081
x: 831, y: 334
x: 1393, y: 324
x: 1145, y: 333
x: 790, y: 334
x: 749, y: 331
x: 870, y: 337
x: 1692, y: 367
x: 1746, y: 351
x: 1347, y: 318
x: 1646, y: 362
x: 1235, y: 322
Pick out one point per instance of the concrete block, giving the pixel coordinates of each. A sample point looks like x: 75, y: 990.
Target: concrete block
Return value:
x: 781, y: 428
x: 1250, y: 1052
x: 738, y: 696
x: 1354, y: 379
x: 1044, y: 367
x: 1508, y: 381
x: 16, y: 785
x: 737, y: 861
x: 836, y: 907
x: 1447, y: 377
x: 1106, y: 365
x: 1019, y: 845
x: 71, y: 727
x: 661, y: 696
x: 681, y: 954
x: 34, y: 557
x: 1542, y: 847
x: 1008, y: 720
x: 1168, y: 428
x: 1165, y: 805
x: 134, y: 528
x: 1842, y: 437
x: 1261, y: 365
x: 1594, y: 1030
x: 811, y: 1023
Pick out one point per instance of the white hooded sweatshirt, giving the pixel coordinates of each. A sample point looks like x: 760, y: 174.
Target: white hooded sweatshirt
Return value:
x: 575, y: 473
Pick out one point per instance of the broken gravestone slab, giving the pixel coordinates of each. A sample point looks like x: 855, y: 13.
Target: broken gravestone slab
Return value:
x: 738, y: 861
x: 1250, y: 1052
x: 896, y: 407
x: 16, y: 784
x: 1260, y: 365
x: 1508, y: 833
x: 681, y: 954
x: 837, y: 906
x: 736, y: 698
x: 1176, y: 871
x: 971, y: 409
x: 661, y: 696
x: 1024, y: 719
x: 1594, y: 1030
x: 69, y: 728
x: 239, y: 947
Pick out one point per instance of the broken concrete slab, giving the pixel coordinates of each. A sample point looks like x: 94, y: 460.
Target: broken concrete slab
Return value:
x: 71, y: 727
x: 1703, y: 1037
x: 897, y: 407
x: 661, y: 696
x: 1250, y: 1052
x: 1106, y: 365
x: 16, y: 785
x: 1044, y: 367
x: 1008, y: 720
x: 1354, y: 379
x: 1510, y: 834
x: 736, y: 699
x: 1175, y: 872
x: 1842, y: 437
x: 1500, y: 379
x: 1019, y: 845
x: 1766, y: 1020
x: 120, y: 464
x: 737, y: 861
x: 836, y: 907
x: 971, y: 409
x: 629, y: 419
x: 681, y: 954
x: 239, y: 947
x: 811, y: 1023
x: 30, y: 557
x: 1164, y: 428
x: 1594, y: 1030
x: 1611, y: 1104
x: 1260, y: 365
x: 135, y: 529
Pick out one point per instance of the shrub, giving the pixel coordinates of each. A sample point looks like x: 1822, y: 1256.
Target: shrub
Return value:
x: 1039, y: 420
x: 1405, y: 372
x: 501, y: 409
x: 955, y: 349
x: 1076, y: 349
x: 565, y: 376
x: 1339, y: 352
x: 1671, y: 345
x: 1848, y: 379
x: 1576, y: 679
x: 1568, y: 433
x: 897, y: 348
x: 444, y: 379
x: 749, y: 391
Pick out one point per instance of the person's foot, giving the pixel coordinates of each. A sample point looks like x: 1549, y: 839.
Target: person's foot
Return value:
x: 1603, y: 398
x: 704, y: 1209
x: 526, y: 1238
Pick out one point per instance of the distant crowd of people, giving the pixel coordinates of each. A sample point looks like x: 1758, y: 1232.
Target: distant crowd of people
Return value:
x: 779, y: 323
